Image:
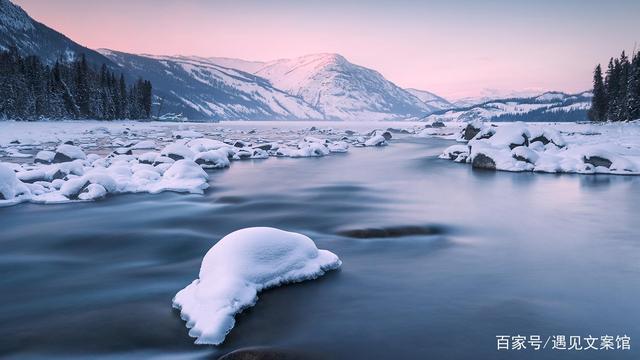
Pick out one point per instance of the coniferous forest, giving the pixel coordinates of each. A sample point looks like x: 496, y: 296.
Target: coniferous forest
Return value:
x: 616, y: 95
x: 32, y: 90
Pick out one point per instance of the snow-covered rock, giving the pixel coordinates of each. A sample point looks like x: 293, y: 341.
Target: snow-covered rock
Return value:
x: 203, y: 144
x: 10, y: 187
x: 66, y: 152
x: 212, y: 159
x: 44, y: 157
x: 237, y: 268
x: 183, y: 176
x: 376, y: 140
x: 176, y: 151
x: 458, y: 153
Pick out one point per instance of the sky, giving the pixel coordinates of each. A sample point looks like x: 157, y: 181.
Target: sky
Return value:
x: 453, y: 48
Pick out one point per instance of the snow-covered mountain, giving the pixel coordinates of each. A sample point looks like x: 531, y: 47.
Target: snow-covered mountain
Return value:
x: 319, y: 86
x: 486, y: 95
x: 201, y: 89
x: 19, y: 30
x: 549, y: 106
x: 336, y: 87
x: 435, y: 102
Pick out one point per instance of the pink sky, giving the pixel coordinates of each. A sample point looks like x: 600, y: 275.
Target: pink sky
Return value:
x: 454, y: 49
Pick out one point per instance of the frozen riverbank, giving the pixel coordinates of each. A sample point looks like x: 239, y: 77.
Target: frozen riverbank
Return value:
x: 608, y: 148
x: 56, y: 162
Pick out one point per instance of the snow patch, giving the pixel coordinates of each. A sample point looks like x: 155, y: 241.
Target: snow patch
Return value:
x: 237, y: 268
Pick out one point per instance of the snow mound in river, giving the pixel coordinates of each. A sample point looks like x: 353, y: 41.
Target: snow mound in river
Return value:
x: 237, y: 268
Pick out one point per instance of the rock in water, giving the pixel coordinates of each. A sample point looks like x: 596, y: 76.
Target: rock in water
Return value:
x: 597, y: 161
x: 237, y: 268
x: 482, y: 161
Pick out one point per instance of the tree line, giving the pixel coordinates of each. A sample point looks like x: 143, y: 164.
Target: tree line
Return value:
x: 31, y: 90
x: 616, y: 96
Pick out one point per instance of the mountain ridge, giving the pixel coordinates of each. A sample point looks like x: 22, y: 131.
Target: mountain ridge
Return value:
x: 30, y: 37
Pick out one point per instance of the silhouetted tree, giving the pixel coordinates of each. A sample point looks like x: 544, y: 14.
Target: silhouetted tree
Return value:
x: 598, y: 110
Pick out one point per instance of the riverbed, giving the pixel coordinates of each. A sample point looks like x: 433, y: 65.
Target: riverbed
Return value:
x: 459, y: 257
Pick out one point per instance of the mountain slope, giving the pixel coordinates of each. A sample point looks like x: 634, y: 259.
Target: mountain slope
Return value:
x: 30, y: 37
x: 435, y: 102
x: 487, y: 95
x: 201, y: 89
x: 550, y: 106
x: 341, y: 89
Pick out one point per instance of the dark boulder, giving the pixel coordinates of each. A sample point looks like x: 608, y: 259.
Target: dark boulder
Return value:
x: 470, y: 132
x: 265, y: 147
x: 524, y: 142
x: 58, y: 175
x: 597, y: 161
x: 175, y: 157
x: 76, y: 194
x: 60, y: 158
x: 541, y: 138
x: 482, y: 161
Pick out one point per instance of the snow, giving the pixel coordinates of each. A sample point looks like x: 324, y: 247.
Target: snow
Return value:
x: 45, y: 156
x: 183, y: 176
x: 489, y: 108
x: 200, y: 145
x: 177, y: 151
x: 237, y: 268
x: 70, y: 152
x: 376, y: 140
x: 145, y: 144
x: 213, y: 159
x: 10, y: 187
x: 246, y: 96
x: 325, y: 79
x: 434, y: 101
x: 611, y: 148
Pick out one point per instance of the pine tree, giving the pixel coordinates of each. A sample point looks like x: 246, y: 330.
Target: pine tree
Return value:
x: 623, y: 104
x: 124, y: 99
x: 598, y: 110
x: 633, y: 88
x: 611, y: 85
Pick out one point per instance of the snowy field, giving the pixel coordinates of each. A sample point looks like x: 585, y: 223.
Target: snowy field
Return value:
x: 57, y: 162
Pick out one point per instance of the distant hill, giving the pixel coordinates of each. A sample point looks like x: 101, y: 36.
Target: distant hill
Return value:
x: 549, y: 106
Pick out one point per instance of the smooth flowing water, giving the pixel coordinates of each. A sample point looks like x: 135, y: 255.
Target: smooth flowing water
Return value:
x: 470, y: 255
